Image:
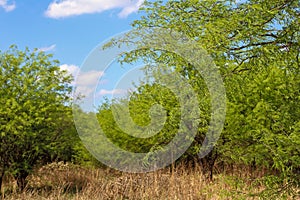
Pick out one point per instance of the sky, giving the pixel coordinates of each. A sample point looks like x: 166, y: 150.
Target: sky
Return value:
x: 69, y: 29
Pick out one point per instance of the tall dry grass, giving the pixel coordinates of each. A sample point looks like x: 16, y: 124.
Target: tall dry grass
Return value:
x: 68, y: 181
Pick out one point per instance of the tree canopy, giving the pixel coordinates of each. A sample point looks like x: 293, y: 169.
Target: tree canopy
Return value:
x: 35, y: 118
x: 256, y: 47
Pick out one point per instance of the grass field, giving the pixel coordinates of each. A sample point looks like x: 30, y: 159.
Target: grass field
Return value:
x: 67, y: 181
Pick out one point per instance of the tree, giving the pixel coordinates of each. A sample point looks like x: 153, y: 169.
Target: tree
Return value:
x: 256, y: 45
x: 139, y: 104
x: 34, y: 114
x: 262, y: 121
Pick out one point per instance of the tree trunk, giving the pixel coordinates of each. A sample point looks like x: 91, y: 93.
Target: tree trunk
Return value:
x: 1, y: 180
x: 21, y: 180
x: 208, y: 163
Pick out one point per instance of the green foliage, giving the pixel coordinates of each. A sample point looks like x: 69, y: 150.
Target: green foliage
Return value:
x: 255, y: 45
x: 140, y: 104
x: 35, y: 114
x: 84, y: 126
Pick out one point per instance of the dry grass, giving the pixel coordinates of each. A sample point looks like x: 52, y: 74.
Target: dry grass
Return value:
x: 67, y: 181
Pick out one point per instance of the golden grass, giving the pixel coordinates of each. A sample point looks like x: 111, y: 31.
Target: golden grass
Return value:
x: 68, y: 181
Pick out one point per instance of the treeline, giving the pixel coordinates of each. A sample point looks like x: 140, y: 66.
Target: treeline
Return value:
x: 256, y: 47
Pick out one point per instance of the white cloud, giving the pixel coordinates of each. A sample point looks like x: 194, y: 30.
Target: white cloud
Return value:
x: 112, y: 92
x: 131, y: 9
x: 89, y: 78
x: 87, y: 85
x: 71, y: 69
x: 85, y: 82
x: 67, y: 8
x: 7, y: 7
x: 49, y: 48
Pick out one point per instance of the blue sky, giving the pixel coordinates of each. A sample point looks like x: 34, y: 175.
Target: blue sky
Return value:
x: 69, y: 29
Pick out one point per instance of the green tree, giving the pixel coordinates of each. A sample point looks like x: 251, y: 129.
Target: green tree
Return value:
x: 256, y: 46
x: 262, y: 120
x: 35, y: 113
x: 139, y: 106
